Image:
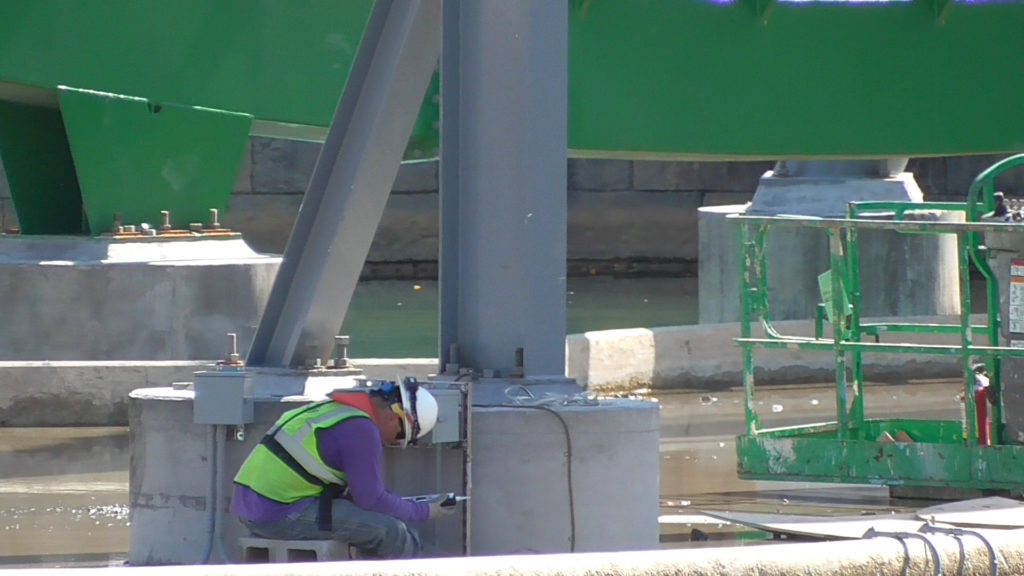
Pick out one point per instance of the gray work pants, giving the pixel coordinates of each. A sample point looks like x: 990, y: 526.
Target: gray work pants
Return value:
x: 374, y: 535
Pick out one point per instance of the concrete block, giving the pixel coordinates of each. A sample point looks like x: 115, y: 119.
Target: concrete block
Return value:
x: 40, y: 394
x: 828, y: 197
x: 83, y: 298
x: 604, y: 225
x: 522, y: 458
x: 656, y: 175
x: 930, y: 174
x: 5, y: 189
x: 408, y: 229
x: 891, y: 281
x: 262, y: 550
x: 697, y: 357
x: 727, y: 198
x: 416, y: 177
x: 599, y: 174
x: 282, y: 165
x: 744, y: 176
x: 243, y: 182
x: 961, y: 172
x: 170, y: 510
x: 264, y: 220
x: 8, y: 216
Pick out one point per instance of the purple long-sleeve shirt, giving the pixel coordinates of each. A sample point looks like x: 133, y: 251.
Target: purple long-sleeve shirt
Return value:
x: 353, y: 446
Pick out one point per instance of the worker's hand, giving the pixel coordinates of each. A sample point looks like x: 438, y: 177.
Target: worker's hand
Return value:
x: 436, y: 508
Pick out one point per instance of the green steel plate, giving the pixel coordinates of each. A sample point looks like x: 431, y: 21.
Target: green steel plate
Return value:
x: 937, y: 457
x: 136, y: 158
x: 278, y: 60
x: 40, y: 174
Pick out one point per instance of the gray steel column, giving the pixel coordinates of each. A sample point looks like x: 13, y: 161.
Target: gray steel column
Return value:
x: 350, y: 184
x: 504, y: 77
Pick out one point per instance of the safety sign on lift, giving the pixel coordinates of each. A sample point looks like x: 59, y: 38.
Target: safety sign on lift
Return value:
x: 1017, y: 296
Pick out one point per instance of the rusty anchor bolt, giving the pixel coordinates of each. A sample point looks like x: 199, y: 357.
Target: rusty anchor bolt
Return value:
x: 214, y: 222
x: 165, y: 220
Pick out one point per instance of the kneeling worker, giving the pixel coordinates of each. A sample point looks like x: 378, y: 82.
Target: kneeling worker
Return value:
x: 317, y: 473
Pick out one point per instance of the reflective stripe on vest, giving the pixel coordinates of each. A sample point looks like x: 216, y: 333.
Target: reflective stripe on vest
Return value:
x: 298, y: 437
x: 295, y: 433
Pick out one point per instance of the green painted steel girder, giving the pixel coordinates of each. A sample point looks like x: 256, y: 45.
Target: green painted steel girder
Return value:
x: 135, y: 159
x: 281, y: 62
x: 805, y: 79
x: 647, y: 78
x: 40, y: 171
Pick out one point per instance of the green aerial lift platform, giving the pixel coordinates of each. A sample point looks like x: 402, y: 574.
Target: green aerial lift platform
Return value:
x: 854, y: 448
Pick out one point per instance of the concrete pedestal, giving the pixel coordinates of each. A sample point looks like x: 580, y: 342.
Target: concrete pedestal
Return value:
x: 71, y: 298
x: 901, y: 274
x: 576, y: 478
x: 521, y: 499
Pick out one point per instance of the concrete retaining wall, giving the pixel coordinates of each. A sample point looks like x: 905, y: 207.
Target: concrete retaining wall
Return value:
x: 643, y: 212
x: 697, y: 357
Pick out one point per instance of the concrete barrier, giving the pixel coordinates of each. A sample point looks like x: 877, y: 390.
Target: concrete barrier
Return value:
x: 966, y: 555
x: 704, y: 356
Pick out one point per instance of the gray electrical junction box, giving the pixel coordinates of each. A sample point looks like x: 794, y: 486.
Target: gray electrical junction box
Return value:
x: 223, y: 397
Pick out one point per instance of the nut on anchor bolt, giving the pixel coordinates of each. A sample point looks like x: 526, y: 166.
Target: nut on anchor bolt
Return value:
x: 341, y: 352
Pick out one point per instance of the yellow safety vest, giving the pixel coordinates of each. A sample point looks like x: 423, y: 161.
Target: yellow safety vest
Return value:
x: 286, y: 465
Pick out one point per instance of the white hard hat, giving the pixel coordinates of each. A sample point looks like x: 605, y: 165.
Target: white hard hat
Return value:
x: 420, y: 406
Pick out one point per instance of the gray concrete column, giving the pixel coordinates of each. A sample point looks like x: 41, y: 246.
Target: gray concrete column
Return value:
x: 504, y: 68
x: 901, y: 274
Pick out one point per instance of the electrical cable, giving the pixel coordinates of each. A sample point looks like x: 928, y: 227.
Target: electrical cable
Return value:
x: 525, y: 398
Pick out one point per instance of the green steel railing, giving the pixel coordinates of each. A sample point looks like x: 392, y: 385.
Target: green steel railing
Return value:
x: 843, y: 307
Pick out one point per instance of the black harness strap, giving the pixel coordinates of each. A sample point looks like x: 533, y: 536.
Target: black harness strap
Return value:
x: 277, y: 450
x: 325, y: 515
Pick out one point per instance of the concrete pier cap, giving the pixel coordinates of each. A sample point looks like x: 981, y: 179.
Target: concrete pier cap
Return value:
x: 121, y: 299
x: 901, y: 275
